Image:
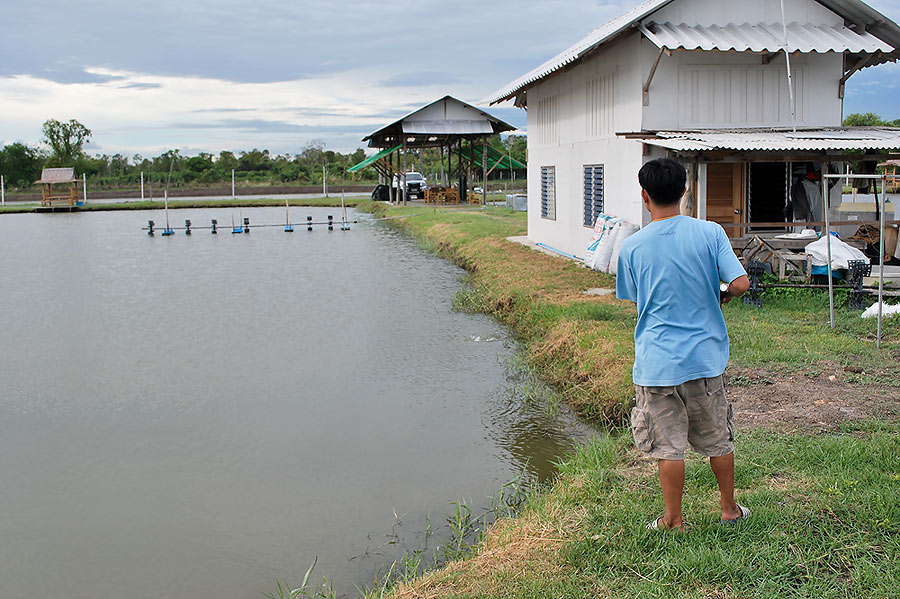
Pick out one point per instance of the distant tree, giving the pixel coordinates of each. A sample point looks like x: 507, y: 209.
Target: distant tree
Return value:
x: 65, y: 140
x: 226, y: 161
x: 868, y: 119
x: 201, y: 163
x: 313, y: 153
x: 255, y: 160
x: 20, y: 165
x: 118, y: 165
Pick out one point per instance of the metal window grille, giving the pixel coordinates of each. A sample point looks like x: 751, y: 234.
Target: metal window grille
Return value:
x: 548, y: 192
x: 593, y: 193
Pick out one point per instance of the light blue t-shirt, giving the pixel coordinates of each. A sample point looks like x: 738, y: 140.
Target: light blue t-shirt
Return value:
x: 672, y: 269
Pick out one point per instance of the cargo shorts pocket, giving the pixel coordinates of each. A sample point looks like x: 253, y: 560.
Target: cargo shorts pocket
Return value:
x: 730, y: 417
x: 715, y: 385
x: 640, y: 429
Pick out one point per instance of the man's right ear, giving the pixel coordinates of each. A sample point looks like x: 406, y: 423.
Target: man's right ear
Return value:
x: 646, y: 197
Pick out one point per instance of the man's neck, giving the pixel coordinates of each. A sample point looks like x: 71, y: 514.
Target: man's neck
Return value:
x: 662, y: 213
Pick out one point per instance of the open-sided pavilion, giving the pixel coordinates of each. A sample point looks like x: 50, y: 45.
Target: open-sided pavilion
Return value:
x: 458, y: 129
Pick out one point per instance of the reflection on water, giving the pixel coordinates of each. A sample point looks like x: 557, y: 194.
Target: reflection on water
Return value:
x: 193, y: 416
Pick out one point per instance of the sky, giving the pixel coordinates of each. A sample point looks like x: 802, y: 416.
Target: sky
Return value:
x: 211, y: 75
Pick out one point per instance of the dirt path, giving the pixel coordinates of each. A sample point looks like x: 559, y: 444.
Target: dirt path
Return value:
x: 820, y: 401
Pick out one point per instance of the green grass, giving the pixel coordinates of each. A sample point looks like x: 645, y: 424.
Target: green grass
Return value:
x: 791, y: 332
x: 825, y: 523
x: 583, y: 346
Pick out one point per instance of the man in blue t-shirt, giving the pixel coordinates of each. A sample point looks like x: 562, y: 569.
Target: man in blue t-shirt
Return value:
x: 672, y: 269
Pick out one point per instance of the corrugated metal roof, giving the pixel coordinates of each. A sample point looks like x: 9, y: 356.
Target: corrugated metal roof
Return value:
x: 64, y: 174
x: 373, y: 159
x: 832, y: 138
x: 487, y: 124
x: 762, y: 37
x: 855, y: 12
x: 448, y: 127
x: 594, y: 39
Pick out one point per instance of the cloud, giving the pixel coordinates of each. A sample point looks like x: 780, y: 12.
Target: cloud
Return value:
x: 149, y: 76
x: 139, y: 85
x: 419, y: 78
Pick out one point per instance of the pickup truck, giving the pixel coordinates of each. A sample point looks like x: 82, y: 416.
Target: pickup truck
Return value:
x: 415, y: 184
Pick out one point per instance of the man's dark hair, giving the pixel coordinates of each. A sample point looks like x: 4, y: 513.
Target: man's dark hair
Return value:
x: 664, y: 181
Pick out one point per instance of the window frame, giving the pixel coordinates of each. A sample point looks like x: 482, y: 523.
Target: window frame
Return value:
x: 592, y: 205
x: 548, y: 192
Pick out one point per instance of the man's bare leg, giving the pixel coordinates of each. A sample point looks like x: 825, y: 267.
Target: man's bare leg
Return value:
x: 671, y: 479
x: 723, y: 468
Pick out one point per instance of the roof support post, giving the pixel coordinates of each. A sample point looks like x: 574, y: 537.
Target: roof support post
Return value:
x: 650, y: 77
x: 701, y: 191
x: 401, y: 183
x: 484, y: 172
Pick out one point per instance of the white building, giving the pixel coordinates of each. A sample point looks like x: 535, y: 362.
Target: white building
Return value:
x: 704, y: 81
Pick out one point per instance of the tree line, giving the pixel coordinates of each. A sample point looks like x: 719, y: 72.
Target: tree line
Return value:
x: 63, y: 145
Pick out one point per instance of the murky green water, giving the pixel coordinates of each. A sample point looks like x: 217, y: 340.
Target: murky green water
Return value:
x: 196, y: 417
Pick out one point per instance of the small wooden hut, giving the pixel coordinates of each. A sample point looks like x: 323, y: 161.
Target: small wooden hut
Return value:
x: 58, y: 177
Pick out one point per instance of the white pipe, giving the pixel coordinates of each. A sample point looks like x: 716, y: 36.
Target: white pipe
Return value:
x: 142, y: 186
x: 881, y: 264
x: 787, y: 58
x: 84, y: 180
x: 232, y: 184
x: 2, y: 191
x: 883, y: 178
x: 825, y: 202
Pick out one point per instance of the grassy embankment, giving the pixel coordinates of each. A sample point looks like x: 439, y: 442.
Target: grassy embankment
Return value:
x: 826, y: 514
x: 329, y: 202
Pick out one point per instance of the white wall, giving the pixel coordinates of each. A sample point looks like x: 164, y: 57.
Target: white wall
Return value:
x: 735, y: 90
x: 574, y: 148
x: 696, y: 90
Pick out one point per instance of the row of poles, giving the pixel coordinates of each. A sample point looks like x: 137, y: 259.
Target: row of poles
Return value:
x: 243, y: 226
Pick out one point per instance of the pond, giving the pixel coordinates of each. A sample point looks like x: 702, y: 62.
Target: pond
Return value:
x: 198, y: 416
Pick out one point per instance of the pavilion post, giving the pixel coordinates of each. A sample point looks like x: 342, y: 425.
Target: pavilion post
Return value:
x: 484, y: 172
x: 469, y: 171
x: 2, y: 191
x: 402, y: 182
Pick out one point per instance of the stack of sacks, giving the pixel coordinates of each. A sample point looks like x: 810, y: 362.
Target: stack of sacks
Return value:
x: 609, y: 233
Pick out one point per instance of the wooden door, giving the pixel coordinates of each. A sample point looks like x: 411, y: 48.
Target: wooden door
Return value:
x: 725, y: 195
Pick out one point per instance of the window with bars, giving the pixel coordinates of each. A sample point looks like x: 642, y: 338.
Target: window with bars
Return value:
x: 548, y: 192
x: 593, y: 193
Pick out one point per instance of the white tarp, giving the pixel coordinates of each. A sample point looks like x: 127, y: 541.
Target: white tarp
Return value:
x: 841, y: 253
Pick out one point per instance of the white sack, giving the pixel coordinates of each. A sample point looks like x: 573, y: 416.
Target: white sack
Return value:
x: 841, y: 253
x: 625, y: 230
x: 886, y: 310
x: 597, y: 256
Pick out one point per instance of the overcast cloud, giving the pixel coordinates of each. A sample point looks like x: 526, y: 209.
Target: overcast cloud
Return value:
x: 204, y: 75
